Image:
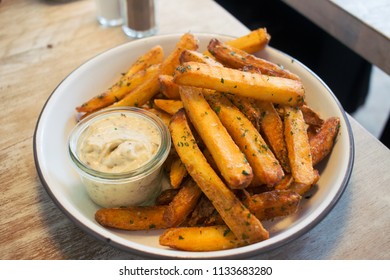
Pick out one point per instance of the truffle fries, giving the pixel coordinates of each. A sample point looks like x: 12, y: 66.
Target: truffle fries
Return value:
x: 245, y: 226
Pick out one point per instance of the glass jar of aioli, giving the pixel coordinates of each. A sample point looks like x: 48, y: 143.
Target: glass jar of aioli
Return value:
x: 119, y: 153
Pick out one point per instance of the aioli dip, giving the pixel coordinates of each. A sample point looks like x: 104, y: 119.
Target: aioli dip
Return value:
x: 119, y: 154
x: 119, y: 143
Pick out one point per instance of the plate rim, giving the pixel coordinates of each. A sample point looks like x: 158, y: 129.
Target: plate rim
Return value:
x: 224, y: 254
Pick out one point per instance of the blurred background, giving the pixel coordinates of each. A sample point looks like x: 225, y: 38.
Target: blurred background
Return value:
x: 361, y: 88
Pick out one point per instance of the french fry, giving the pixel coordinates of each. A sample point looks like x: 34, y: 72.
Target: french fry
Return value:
x: 182, y: 204
x: 132, y: 218
x: 257, y: 86
x: 200, y: 239
x: 252, y: 42
x: 187, y: 42
x: 151, y: 86
x: 266, y: 168
x: 248, y: 107
x: 154, y: 56
x: 235, y: 58
x: 311, y: 117
x: 166, y: 196
x: 228, y: 157
x: 188, y: 55
x: 119, y: 90
x: 298, y: 146
x: 322, y: 143
x: 165, y: 117
x: 168, y: 87
x: 302, y: 188
x: 273, y: 131
x: 245, y: 226
x: 168, y: 105
x: 203, y: 210
x: 272, y: 204
x: 285, y: 183
x: 177, y: 173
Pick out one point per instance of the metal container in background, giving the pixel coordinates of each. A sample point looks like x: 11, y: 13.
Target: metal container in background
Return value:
x: 139, y: 18
x: 108, y: 12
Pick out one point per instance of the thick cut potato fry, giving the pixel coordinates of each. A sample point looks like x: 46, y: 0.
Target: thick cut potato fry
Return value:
x: 168, y: 105
x: 228, y: 157
x: 246, y: 227
x: 301, y: 188
x: 248, y: 107
x: 273, y: 131
x: 187, y: 42
x: 154, y: 56
x: 322, y: 143
x: 132, y: 218
x: 200, y: 239
x: 168, y: 87
x: 298, y: 146
x: 165, y: 117
x: 285, y: 183
x: 150, y: 87
x: 235, y: 58
x: 272, y: 204
x: 311, y: 117
x: 188, y: 55
x: 252, y: 42
x: 177, y: 173
x: 254, y: 85
x: 166, y: 196
x: 119, y: 90
x: 141, y: 94
x: 266, y: 168
x: 182, y: 204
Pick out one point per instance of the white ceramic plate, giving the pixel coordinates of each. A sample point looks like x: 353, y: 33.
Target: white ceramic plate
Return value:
x: 64, y: 186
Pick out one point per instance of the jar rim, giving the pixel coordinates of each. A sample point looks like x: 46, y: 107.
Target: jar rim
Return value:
x: 140, y: 172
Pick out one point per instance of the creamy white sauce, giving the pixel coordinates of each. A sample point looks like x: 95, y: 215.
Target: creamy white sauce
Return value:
x: 119, y: 143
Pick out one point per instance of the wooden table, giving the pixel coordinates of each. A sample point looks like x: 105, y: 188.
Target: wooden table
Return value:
x: 43, y: 41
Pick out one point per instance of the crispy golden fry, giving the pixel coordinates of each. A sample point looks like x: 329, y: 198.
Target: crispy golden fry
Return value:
x: 151, y: 86
x: 272, y: 204
x: 235, y: 58
x: 188, y: 55
x: 118, y: 91
x: 168, y: 87
x: 132, y: 218
x: 165, y: 117
x: 141, y: 94
x: 311, y: 117
x: 266, y: 168
x: 229, y: 159
x: 252, y: 42
x: 245, y: 227
x: 168, y: 105
x: 187, y: 42
x: 200, y: 239
x: 182, y: 204
x: 322, y: 143
x: 177, y: 173
x: 301, y: 188
x: 262, y: 87
x: 285, y: 183
x: 202, y: 211
x: 154, y: 56
x: 298, y: 146
x: 248, y: 107
x: 166, y: 196
x: 273, y: 131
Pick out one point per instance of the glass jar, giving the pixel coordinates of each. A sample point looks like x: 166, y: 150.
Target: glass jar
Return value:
x: 138, y: 186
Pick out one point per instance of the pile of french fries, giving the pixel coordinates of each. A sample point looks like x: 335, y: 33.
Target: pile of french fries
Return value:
x: 245, y: 142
